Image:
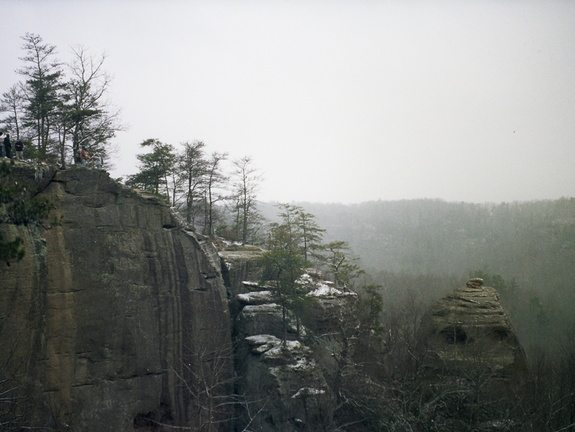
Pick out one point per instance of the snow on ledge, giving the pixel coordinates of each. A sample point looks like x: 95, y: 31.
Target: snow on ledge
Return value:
x: 320, y: 288
x: 262, y: 343
x: 278, y: 350
x: 292, y: 351
x: 262, y: 308
x: 328, y: 290
x: 262, y: 339
x: 307, y: 391
x: 271, y: 345
x: 256, y: 297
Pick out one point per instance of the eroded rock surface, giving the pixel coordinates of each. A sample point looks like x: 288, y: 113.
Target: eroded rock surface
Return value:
x: 117, y: 314
x: 470, y: 329
x: 285, y: 386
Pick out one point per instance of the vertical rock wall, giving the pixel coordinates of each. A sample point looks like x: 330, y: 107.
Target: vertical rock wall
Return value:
x: 117, y: 317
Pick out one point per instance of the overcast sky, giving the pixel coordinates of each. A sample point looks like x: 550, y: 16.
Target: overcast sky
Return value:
x: 337, y: 101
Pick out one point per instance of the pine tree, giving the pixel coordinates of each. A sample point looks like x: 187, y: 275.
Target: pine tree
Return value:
x: 191, y: 167
x: 156, y: 168
x: 42, y: 89
x: 283, y: 264
x: 340, y: 264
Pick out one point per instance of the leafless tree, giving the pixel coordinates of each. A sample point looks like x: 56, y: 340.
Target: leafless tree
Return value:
x: 214, y: 180
x: 12, y: 103
x: 88, y: 115
x: 246, y: 182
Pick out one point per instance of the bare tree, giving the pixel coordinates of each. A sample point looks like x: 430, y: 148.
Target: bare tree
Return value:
x: 214, y: 180
x: 247, y: 181
x: 15, y: 392
x: 12, y: 103
x: 208, y: 379
x: 89, y: 117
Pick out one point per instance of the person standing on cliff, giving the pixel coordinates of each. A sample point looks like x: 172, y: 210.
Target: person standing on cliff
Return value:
x: 84, y: 157
x: 19, y: 146
x: 8, y: 147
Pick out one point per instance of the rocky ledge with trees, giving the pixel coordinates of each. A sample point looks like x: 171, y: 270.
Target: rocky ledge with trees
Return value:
x: 119, y: 316
x: 60, y: 108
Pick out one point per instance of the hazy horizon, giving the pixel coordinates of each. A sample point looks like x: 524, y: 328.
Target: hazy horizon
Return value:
x: 337, y: 101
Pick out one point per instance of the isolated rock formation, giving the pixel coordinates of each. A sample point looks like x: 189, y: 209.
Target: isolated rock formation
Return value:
x: 117, y: 314
x: 471, y: 330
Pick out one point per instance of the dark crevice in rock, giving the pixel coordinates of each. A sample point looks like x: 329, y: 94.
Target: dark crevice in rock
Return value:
x: 455, y: 335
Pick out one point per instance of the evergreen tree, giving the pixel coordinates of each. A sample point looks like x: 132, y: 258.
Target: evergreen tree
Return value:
x: 155, y: 169
x: 341, y: 265
x: 287, y: 258
x: 283, y: 264
x: 304, y: 228
x: 42, y: 89
x: 192, y: 168
x: 311, y: 233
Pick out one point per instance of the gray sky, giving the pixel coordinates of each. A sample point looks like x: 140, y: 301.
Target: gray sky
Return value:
x: 337, y: 101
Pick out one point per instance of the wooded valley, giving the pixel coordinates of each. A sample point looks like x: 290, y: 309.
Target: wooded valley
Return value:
x: 526, y: 250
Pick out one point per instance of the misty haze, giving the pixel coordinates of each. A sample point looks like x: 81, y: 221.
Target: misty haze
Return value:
x: 287, y: 216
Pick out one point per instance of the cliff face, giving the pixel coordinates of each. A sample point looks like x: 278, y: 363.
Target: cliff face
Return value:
x: 117, y: 317
x: 286, y: 368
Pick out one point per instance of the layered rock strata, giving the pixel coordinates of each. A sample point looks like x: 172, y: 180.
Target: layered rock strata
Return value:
x: 470, y: 329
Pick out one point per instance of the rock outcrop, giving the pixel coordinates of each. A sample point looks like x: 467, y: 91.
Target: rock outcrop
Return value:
x: 471, y: 331
x: 117, y: 316
x: 283, y: 375
x: 122, y: 318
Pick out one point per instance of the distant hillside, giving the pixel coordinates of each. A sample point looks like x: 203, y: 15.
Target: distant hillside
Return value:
x: 533, y: 242
x: 433, y: 242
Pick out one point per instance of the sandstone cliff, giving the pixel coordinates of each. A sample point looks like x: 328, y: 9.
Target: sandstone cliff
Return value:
x: 472, y: 333
x: 287, y: 375
x: 120, y: 318
x: 117, y: 317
